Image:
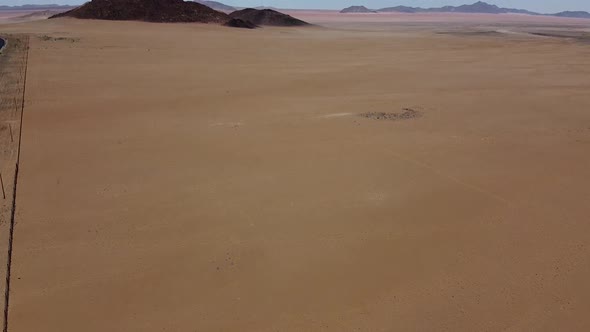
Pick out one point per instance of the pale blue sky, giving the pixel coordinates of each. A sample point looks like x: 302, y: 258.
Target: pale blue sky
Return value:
x: 543, y: 6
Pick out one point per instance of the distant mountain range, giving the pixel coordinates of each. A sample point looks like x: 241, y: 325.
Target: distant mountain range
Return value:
x: 576, y: 14
x: 38, y: 7
x: 478, y: 7
x: 357, y: 9
x: 216, y: 5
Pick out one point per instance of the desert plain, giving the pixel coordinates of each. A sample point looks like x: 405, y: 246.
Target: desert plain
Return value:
x: 192, y: 177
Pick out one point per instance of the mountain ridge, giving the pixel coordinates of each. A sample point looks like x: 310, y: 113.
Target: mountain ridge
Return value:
x: 479, y: 7
x: 357, y: 9
x: 216, y: 5
x: 37, y: 7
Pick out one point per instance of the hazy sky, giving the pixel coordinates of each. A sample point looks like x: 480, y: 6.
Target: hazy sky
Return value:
x: 544, y: 6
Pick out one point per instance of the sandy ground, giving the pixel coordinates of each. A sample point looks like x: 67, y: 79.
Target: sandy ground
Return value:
x: 9, y: 16
x: 184, y: 177
x: 22, y: 16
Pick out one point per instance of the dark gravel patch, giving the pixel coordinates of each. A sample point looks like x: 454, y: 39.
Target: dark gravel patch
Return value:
x: 406, y: 114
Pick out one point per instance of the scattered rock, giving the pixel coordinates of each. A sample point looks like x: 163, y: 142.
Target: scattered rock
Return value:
x: 67, y: 39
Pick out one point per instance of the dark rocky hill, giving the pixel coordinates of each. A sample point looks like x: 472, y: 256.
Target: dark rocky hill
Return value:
x: 267, y: 17
x: 147, y: 10
x: 238, y: 23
